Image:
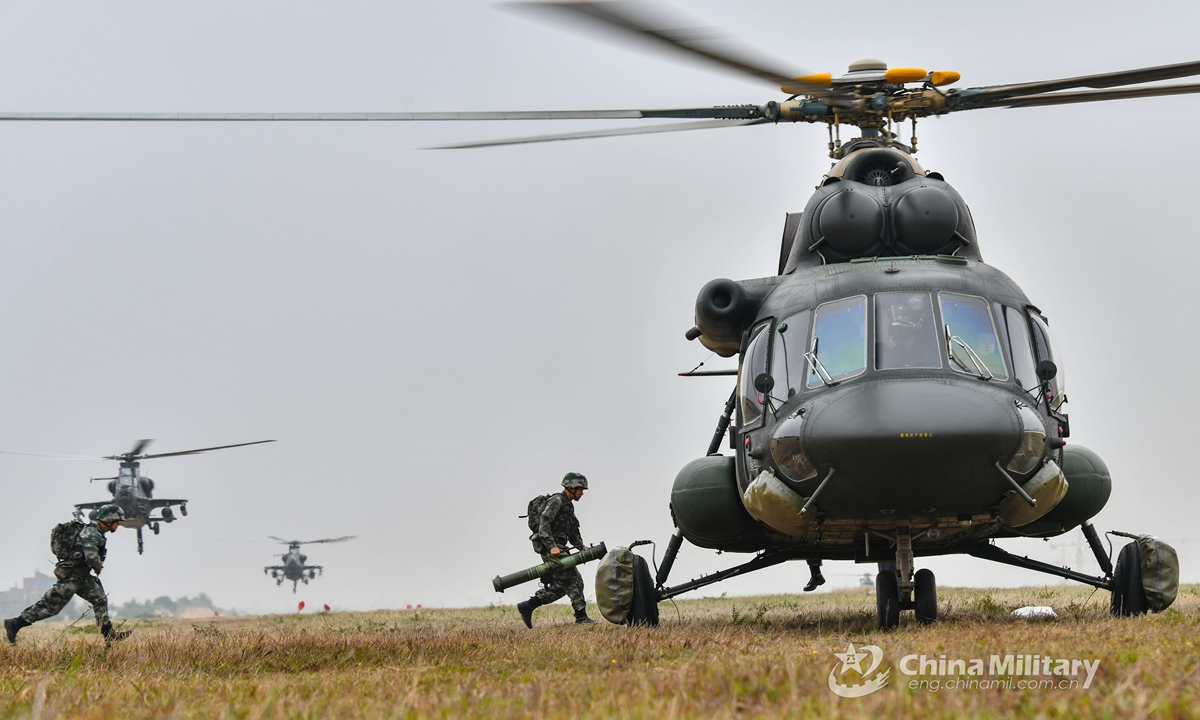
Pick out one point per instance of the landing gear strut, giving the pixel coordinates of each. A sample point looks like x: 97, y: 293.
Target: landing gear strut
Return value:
x: 899, y: 588
x: 140, y: 545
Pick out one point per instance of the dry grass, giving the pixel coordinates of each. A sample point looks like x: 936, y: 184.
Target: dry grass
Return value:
x: 743, y: 657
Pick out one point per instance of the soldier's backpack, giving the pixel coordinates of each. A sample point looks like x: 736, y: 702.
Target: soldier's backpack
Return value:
x: 64, y: 540
x: 534, y: 511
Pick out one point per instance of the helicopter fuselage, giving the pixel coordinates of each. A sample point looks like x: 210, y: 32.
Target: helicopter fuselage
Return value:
x: 294, y: 568
x: 881, y: 391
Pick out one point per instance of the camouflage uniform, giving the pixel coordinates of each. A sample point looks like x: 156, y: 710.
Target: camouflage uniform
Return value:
x: 75, y: 578
x: 558, y: 527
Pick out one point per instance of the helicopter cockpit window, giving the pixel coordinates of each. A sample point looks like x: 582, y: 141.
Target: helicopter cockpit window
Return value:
x: 970, y: 336
x: 1014, y: 325
x: 753, y: 365
x: 905, y: 332
x: 125, y: 478
x: 838, y: 349
x: 787, y: 357
x: 1047, y: 347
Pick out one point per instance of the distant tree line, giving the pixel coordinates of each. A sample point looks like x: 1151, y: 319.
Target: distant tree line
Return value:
x: 165, y: 607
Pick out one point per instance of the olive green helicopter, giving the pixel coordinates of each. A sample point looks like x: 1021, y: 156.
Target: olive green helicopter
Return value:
x: 896, y: 397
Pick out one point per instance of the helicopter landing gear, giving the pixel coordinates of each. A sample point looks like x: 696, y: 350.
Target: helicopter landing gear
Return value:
x: 1128, y: 598
x: 140, y: 544
x: 925, y: 592
x: 183, y: 509
x: 899, y: 588
x: 154, y: 527
x: 887, y: 598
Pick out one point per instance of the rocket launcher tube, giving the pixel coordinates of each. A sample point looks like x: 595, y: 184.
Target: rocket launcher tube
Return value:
x: 564, y: 562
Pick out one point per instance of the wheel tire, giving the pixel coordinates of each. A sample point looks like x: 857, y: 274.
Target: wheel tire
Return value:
x: 887, y: 599
x: 1128, y: 598
x: 925, y: 591
x: 645, y: 600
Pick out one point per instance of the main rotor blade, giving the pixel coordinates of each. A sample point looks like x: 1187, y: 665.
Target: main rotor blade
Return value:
x: 54, y: 457
x: 736, y: 111
x: 344, y: 538
x: 1099, y: 95
x: 1104, y: 80
x: 669, y: 127
x: 200, y: 450
x: 278, y: 539
x: 139, y: 447
x: 641, y: 21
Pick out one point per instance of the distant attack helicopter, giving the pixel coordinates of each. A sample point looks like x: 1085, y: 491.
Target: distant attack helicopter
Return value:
x: 896, y: 396
x: 294, y: 567
x: 133, y: 492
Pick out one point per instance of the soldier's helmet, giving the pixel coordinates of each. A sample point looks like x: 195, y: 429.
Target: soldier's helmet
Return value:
x: 574, y: 480
x: 109, y: 513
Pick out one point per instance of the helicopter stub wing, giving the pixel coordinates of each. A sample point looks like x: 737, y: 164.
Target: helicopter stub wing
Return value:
x: 162, y: 503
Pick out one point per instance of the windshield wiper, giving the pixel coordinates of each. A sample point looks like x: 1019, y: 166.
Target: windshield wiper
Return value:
x: 815, y: 364
x: 981, y: 370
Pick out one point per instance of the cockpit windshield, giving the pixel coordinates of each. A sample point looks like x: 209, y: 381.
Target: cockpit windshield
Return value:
x: 970, y: 336
x: 125, y: 478
x: 905, y: 331
x: 839, y: 342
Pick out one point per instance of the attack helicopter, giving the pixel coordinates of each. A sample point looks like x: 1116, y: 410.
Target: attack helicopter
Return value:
x: 896, y: 397
x: 294, y: 567
x: 133, y: 492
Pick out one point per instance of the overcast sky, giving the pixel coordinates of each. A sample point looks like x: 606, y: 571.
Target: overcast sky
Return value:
x: 434, y: 337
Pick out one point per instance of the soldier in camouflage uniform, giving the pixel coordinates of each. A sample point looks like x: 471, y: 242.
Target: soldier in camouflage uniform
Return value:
x: 558, y: 527
x: 85, y: 554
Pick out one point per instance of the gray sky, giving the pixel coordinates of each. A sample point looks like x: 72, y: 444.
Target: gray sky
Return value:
x: 434, y: 337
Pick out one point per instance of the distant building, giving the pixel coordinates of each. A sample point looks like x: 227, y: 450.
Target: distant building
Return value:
x: 16, y: 599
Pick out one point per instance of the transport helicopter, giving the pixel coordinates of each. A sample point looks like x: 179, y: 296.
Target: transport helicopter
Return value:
x: 294, y: 567
x: 896, y: 397
x: 133, y: 492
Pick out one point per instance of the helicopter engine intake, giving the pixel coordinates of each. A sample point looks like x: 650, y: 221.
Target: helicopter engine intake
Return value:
x: 725, y: 308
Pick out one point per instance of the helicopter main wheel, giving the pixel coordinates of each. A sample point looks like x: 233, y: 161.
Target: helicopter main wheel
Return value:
x: 887, y: 599
x: 925, y: 591
x: 1128, y: 598
x: 645, y: 600
x: 154, y: 527
x: 183, y: 510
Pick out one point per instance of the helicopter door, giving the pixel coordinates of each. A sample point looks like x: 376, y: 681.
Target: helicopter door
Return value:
x: 753, y: 365
x: 1047, y: 351
x: 1016, y: 328
x: 787, y: 355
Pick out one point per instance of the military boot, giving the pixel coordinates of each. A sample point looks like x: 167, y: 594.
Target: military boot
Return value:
x: 111, y: 635
x: 814, y: 582
x: 12, y: 626
x: 526, y: 609
x: 581, y: 618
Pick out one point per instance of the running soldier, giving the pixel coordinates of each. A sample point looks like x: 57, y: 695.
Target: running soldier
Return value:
x: 552, y: 517
x: 80, y: 549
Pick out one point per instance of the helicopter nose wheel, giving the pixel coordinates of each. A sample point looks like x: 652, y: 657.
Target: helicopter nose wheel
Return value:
x: 898, y: 587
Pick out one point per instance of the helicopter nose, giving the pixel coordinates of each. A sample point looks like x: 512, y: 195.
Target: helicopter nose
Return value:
x: 912, y: 447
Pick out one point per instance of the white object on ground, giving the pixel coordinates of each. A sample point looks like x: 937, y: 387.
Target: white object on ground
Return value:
x: 1035, y: 612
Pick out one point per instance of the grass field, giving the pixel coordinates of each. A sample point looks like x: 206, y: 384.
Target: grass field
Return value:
x: 728, y: 657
